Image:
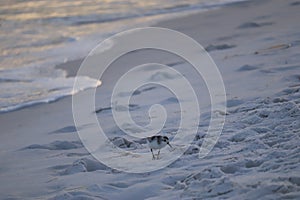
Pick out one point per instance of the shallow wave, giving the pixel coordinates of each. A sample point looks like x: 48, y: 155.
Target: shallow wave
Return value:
x: 37, y: 35
x: 31, y: 90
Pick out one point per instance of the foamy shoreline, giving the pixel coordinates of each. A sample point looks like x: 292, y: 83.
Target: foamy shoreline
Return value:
x: 35, y: 38
x: 255, y: 45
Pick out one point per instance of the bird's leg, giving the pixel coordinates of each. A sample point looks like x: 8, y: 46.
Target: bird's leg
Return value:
x: 158, y: 154
x: 153, y: 157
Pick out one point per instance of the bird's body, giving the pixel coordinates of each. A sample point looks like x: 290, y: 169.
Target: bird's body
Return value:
x: 157, y: 142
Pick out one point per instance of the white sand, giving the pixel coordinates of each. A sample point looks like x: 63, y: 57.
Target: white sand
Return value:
x: 256, y: 45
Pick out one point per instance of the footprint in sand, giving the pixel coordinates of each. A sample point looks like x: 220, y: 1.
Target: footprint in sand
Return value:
x: 230, y: 169
x: 247, y: 68
x: 67, y: 129
x: 56, y: 145
x: 248, y: 25
x: 219, y: 47
x: 296, y: 3
x: 170, y: 100
x: 80, y: 165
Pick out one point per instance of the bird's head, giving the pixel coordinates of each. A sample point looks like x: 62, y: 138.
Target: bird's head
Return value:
x: 166, y: 140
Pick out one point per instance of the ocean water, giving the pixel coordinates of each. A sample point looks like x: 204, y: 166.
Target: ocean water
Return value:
x: 36, y: 35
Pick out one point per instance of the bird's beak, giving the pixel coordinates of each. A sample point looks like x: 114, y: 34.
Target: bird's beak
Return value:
x: 170, y: 145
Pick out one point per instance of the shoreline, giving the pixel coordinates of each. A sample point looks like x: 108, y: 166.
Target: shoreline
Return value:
x: 257, y: 153
x: 71, y: 71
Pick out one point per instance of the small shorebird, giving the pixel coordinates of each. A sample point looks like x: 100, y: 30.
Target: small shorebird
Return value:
x: 157, y: 142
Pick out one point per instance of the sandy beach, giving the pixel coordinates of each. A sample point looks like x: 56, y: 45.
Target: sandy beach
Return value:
x: 256, y: 46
